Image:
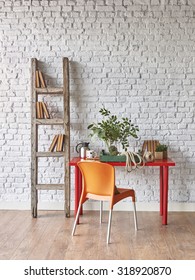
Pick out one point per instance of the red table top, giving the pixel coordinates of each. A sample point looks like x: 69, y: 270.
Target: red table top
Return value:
x: 157, y: 162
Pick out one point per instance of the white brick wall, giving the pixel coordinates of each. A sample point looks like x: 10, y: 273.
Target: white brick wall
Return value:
x: 135, y: 57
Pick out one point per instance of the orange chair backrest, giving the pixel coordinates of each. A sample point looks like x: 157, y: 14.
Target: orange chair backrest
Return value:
x: 98, y: 177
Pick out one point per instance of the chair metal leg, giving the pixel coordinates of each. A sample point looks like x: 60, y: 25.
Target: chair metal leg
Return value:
x: 76, y: 219
x: 109, y: 226
x: 101, y: 208
x: 135, y: 216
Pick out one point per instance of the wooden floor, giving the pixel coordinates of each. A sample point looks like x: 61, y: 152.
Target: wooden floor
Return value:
x: 49, y: 236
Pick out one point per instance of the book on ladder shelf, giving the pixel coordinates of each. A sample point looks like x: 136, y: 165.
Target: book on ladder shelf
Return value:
x: 57, y: 143
x: 42, y: 111
x: 40, y: 81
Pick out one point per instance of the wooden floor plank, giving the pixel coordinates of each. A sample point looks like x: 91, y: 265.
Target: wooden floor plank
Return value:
x: 11, y: 233
x: 49, y: 236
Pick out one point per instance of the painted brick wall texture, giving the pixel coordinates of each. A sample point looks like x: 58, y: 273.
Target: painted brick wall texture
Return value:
x: 136, y: 57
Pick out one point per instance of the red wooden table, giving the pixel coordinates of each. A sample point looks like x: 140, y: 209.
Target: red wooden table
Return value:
x: 163, y: 165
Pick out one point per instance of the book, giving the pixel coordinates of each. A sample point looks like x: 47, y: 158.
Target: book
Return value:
x: 41, y: 110
x: 45, y: 110
x: 37, y: 110
x: 53, y: 144
x: 62, y: 142
x: 58, y: 144
x: 42, y: 80
x: 59, y: 147
x: 149, y: 145
x: 37, y: 80
x: 152, y: 146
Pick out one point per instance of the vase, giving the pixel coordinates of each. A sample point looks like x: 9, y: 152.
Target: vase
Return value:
x: 158, y: 155
x: 113, y: 151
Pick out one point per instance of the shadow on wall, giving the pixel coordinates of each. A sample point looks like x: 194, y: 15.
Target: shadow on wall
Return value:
x: 82, y: 94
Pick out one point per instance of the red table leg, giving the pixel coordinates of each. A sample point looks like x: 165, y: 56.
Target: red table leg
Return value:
x: 165, y: 194
x: 161, y: 190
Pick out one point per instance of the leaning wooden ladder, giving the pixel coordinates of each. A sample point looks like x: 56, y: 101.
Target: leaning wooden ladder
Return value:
x: 35, y: 122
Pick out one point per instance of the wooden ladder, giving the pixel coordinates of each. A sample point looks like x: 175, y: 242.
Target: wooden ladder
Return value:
x: 35, y: 123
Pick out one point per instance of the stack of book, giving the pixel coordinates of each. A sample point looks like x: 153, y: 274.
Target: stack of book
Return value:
x: 40, y: 80
x: 150, y: 146
x: 42, y: 111
x: 57, y: 143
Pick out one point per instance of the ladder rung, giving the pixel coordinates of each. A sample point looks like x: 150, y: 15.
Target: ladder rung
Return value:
x: 49, y: 121
x: 50, y: 154
x: 49, y: 186
x: 50, y: 90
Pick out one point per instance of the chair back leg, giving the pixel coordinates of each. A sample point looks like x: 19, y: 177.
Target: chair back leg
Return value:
x: 76, y: 219
x: 135, y: 216
x: 109, y: 226
x: 101, y: 208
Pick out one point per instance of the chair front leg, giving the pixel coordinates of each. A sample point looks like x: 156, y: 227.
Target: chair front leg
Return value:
x: 135, y: 216
x: 76, y: 219
x: 109, y: 226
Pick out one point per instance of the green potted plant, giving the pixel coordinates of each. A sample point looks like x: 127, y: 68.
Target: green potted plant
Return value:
x: 161, y: 151
x: 111, y: 130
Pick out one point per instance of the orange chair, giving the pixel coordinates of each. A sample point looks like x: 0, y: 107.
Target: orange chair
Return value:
x: 99, y: 184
